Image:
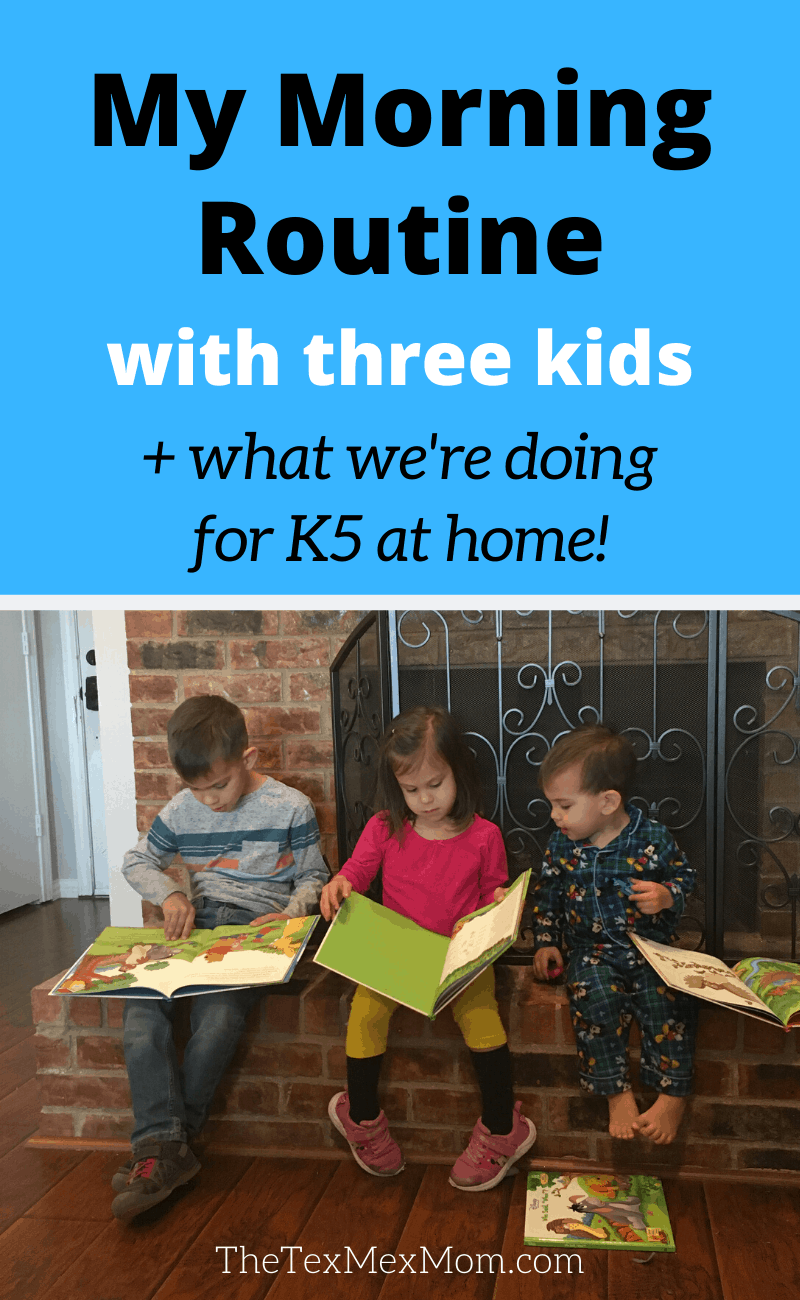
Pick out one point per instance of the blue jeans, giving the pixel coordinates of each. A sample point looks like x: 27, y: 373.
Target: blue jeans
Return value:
x: 171, y: 1102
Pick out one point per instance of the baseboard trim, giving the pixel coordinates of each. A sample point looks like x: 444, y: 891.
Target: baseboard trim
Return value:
x: 65, y: 889
x: 764, y: 1177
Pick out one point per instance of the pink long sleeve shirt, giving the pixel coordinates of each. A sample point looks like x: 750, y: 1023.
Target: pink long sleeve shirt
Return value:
x: 434, y: 882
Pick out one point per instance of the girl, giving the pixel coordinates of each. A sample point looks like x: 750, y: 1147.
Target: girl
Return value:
x: 440, y: 860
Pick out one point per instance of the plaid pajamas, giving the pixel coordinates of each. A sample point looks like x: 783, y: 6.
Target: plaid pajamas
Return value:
x: 608, y: 987
x: 582, y: 906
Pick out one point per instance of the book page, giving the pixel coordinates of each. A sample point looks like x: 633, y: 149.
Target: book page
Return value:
x: 697, y: 973
x: 776, y: 983
x: 122, y: 960
x: 232, y: 968
x: 481, y: 933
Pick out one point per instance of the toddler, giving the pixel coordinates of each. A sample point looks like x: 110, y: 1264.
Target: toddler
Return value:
x: 440, y: 860
x: 608, y: 870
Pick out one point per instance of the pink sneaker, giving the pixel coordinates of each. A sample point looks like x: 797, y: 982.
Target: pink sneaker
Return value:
x: 371, y: 1143
x: 489, y: 1156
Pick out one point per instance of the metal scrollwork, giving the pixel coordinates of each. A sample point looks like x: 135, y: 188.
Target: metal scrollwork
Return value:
x: 756, y: 785
x: 358, y: 725
x: 779, y: 816
x: 536, y: 701
x: 715, y: 723
x: 778, y: 895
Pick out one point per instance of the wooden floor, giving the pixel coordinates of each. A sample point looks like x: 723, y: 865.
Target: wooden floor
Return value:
x: 37, y: 942
x: 57, y: 1237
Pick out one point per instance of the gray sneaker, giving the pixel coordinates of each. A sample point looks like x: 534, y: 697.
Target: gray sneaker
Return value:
x: 155, y: 1170
x: 119, y: 1180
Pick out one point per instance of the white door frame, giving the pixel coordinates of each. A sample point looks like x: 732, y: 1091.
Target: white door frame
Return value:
x: 116, y: 744
x: 81, y: 823
x: 30, y: 648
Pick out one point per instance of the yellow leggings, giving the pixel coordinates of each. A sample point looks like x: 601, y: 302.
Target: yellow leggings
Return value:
x: 474, y: 1011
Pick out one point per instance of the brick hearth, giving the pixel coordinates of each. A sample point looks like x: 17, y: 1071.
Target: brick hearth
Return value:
x: 745, y: 1115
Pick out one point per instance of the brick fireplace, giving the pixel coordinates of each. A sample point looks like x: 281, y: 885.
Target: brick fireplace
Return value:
x: 745, y: 1117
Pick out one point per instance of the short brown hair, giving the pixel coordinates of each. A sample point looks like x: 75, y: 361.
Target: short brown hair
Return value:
x: 403, y: 744
x: 202, y: 730
x: 607, y: 760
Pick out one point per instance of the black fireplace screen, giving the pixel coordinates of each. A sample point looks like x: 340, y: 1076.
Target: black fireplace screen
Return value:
x: 710, y: 701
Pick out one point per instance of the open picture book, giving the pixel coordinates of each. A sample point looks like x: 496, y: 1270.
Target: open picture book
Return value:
x: 141, y: 963
x: 390, y: 954
x: 597, y: 1212
x: 758, y: 986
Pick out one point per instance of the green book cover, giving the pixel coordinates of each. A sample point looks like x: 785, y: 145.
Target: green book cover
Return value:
x: 588, y: 1211
x: 127, y: 962
x: 374, y: 946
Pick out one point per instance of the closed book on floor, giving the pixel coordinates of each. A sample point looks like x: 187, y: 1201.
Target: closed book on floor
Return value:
x: 597, y: 1212
x: 392, y: 955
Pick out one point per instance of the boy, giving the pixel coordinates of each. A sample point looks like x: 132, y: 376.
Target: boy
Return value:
x: 608, y: 870
x: 257, y: 844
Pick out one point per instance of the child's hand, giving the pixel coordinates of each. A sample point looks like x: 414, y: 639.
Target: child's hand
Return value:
x: 271, y: 916
x: 332, y: 895
x: 178, y: 916
x: 542, y: 960
x: 649, y: 897
x: 499, y: 894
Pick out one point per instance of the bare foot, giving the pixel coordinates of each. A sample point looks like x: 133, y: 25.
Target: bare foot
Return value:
x: 661, y: 1122
x: 622, y: 1115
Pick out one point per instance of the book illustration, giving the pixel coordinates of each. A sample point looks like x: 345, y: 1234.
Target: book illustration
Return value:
x: 140, y: 962
x: 392, y: 955
x: 775, y: 983
x: 758, y: 986
x: 479, y: 938
x: 600, y: 1211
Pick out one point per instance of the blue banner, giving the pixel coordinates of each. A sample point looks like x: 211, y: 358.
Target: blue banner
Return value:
x: 399, y: 299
